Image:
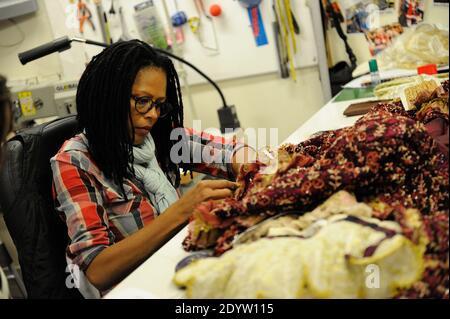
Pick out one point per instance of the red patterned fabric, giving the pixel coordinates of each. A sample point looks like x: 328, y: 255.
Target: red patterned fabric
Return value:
x: 388, y: 159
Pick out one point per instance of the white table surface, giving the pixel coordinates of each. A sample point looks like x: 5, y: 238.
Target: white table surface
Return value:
x: 153, y: 278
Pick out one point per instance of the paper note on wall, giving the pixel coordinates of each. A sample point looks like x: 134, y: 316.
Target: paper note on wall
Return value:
x: 26, y: 103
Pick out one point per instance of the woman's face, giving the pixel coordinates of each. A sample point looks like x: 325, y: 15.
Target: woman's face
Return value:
x: 150, y: 82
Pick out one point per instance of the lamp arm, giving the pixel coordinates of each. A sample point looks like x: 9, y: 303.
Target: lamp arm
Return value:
x: 64, y: 43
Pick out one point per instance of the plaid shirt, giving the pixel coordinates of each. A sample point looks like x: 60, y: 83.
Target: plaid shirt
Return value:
x: 96, y: 213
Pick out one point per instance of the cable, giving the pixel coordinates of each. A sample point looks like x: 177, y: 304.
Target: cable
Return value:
x: 227, y: 114
x: 22, y: 34
x: 198, y: 71
x: 170, y: 55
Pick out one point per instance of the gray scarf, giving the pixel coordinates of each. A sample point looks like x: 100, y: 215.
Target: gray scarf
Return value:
x: 162, y: 193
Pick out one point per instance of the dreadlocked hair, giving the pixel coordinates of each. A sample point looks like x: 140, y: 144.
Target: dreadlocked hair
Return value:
x: 103, y: 107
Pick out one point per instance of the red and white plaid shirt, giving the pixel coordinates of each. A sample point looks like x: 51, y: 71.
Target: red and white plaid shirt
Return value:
x: 95, y: 211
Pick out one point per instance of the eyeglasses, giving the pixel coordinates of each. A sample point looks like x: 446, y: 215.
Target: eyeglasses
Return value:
x: 143, y: 104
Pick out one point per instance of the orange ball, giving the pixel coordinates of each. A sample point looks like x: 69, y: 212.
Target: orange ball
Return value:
x: 215, y: 10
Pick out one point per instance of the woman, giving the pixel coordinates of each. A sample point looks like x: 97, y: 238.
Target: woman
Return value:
x: 112, y: 180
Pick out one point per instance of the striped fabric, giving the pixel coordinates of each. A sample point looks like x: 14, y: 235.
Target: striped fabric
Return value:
x: 96, y: 213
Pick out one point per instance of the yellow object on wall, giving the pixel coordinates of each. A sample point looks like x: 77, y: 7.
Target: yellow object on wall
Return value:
x: 26, y: 103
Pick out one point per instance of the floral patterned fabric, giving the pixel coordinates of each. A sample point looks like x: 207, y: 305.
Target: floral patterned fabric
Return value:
x: 387, y: 159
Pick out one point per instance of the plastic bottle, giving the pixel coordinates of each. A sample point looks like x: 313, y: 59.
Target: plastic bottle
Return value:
x: 374, y: 73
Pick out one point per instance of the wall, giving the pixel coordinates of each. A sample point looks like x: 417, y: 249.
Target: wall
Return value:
x: 255, y: 97
x: 262, y: 101
x: 231, y: 28
x: 433, y: 14
x: 37, y: 30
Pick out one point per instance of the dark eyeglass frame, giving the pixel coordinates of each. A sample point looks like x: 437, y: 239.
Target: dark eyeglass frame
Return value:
x: 163, y: 107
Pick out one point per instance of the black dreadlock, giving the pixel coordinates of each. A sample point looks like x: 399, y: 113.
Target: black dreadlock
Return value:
x: 103, y: 107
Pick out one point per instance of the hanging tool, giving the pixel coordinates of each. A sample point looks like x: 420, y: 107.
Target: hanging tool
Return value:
x: 296, y: 26
x: 201, y: 8
x: 125, y: 36
x: 111, y: 10
x: 256, y: 21
x: 285, y: 38
x: 288, y: 12
x: 281, y: 54
x: 83, y: 15
x: 101, y: 19
x: 195, y: 25
x: 177, y: 49
x: 107, y: 30
x: 178, y: 20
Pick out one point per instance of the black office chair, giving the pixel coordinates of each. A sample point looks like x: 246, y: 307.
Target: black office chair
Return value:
x: 6, y: 263
x: 38, y: 232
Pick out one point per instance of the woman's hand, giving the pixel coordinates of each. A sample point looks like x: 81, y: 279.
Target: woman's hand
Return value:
x: 205, y: 190
x: 118, y: 260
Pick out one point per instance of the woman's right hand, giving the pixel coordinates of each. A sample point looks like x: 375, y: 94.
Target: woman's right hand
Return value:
x: 205, y: 190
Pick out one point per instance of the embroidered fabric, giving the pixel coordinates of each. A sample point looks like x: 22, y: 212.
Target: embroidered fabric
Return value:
x: 387, y: 159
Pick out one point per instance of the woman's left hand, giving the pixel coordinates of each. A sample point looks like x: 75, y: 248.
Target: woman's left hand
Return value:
x: 244, y: 155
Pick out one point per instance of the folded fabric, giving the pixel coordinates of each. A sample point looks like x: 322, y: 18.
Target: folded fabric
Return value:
x: 387, y: 156
x: 348, y: 257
